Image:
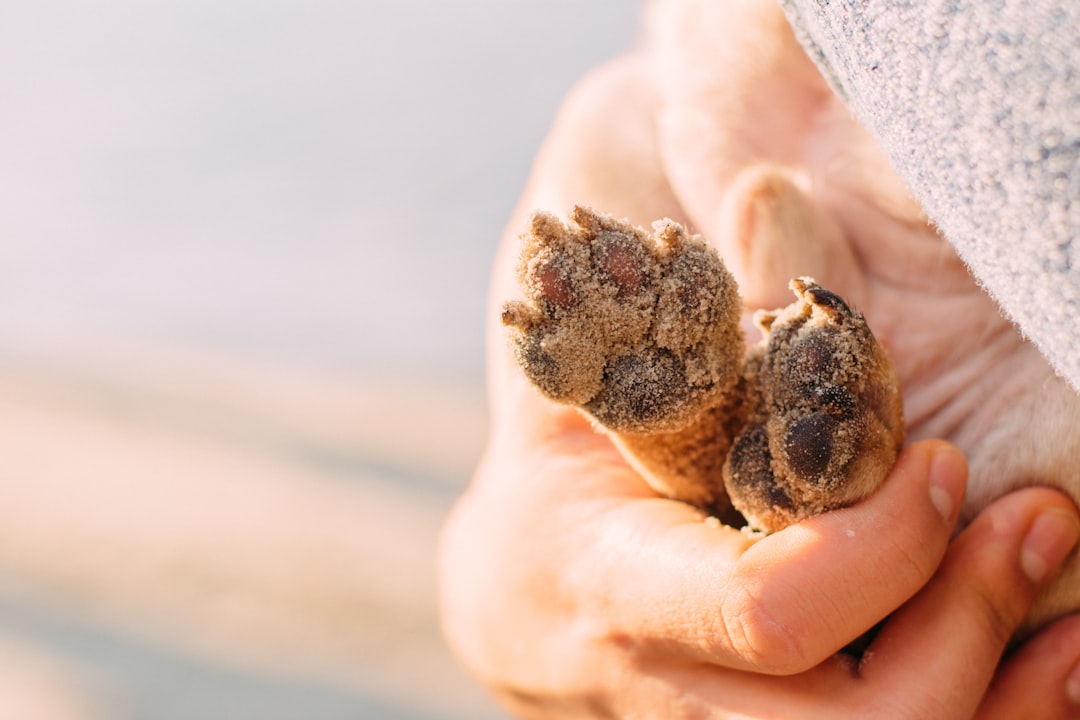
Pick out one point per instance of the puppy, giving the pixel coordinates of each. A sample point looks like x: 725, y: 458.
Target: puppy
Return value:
x: 721, y: 121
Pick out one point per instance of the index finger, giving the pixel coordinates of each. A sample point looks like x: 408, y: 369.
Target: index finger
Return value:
x: 786, y: 602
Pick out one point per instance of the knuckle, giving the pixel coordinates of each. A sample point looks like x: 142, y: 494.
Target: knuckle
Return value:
x: 997, y: 596
x: 754, y: 636
x: 996, y: 615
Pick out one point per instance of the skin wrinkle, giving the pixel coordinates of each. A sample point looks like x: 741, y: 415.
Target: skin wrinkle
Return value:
x: 987, y: 409
x: 792, y: 646
x: 678, y: 615
x: 755, y: 635
x: 951, y: 403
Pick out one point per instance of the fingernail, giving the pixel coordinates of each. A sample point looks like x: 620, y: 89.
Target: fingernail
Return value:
x: 1072, y: 686
x: 1051, y: 537
x: 948, y: 477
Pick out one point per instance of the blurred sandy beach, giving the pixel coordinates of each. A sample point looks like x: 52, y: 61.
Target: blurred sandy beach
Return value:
x: 242, y: 276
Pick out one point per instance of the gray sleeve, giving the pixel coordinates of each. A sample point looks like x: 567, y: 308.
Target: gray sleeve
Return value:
x: 977, y: 104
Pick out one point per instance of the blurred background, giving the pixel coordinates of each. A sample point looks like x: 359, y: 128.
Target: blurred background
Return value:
x: 243, y: 257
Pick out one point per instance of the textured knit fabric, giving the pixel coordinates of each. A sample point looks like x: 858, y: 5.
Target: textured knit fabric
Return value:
x: 977, y: 104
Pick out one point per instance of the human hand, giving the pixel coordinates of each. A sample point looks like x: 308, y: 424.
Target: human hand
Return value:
x: 572, y: 591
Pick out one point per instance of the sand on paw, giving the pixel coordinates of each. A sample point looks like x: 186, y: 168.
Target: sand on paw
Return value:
x: 640, y: 331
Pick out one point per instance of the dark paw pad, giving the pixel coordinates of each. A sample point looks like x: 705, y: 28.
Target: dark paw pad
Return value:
x: 639, y: 389
x: 808, y: 445
x: 749, y: 477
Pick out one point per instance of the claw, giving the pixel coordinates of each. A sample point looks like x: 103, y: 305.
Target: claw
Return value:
x: 828, y: 300
x: 518, y: 314
x: 765, y: 318
x: 808, y: 290
x: 586, y: 218
x: 800, y: 285
x: 543, y: 226
x: 669, y: 234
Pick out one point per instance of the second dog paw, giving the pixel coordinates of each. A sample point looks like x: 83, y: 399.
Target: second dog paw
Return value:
x: 826, y: 421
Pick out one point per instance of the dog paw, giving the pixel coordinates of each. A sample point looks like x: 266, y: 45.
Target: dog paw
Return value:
x: 825, y: 420
x: 640, y: 330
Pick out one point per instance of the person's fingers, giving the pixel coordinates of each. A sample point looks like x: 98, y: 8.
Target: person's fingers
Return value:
x: 1041, y: 679
x: 788, y: 601
x: 956, y: 629
x: 935, y: 658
